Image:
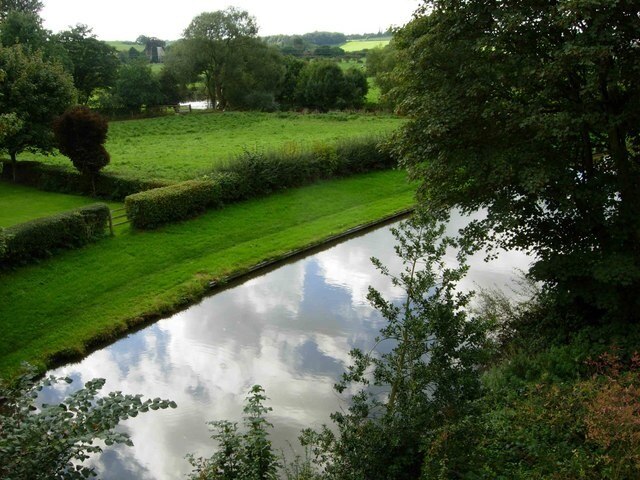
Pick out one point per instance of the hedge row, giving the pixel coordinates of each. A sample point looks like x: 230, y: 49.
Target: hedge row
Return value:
x: 57, y: 179
x: 175, y: 202
x: 39, y: 238
x: 254, y: 174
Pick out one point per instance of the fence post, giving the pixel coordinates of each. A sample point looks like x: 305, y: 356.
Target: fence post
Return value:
x: 110, y: 223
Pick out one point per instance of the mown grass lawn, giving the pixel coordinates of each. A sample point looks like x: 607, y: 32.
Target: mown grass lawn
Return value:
x: 19, y: 203
x: 62, y: 304
x: 181, y: 147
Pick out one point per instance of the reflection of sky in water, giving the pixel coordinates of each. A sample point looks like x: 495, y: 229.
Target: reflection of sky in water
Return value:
x: 289, y: 330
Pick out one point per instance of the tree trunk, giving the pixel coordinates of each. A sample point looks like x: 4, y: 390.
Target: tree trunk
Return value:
x: 13, y: 165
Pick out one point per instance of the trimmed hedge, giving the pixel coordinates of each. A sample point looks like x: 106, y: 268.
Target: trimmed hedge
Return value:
x: 168, y: 204
x: 255, y: 174
x: 41, y: 237
x: 57, y: 179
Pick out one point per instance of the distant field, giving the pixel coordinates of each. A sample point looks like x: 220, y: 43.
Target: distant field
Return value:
x: 19, y: 204
x: 357, y: 64
x: 185, y: 146
x: 357, y: 45
x: 124, y: 46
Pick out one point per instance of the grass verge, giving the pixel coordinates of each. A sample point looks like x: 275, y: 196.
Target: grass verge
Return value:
x: 19, y: 203
x: 62, y: 307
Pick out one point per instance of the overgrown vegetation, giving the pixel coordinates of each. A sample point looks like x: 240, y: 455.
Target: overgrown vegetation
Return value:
x: 405, y: 400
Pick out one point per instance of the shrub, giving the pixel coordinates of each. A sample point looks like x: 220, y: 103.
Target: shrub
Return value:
x: 167, y: 204
x: 62, y: 180
x: 244, y: 455
x: 80, y: 134
x: 41, y: 237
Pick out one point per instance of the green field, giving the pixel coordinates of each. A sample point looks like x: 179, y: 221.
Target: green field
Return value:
x: 180, y: 147
x: 357, y: 45
x: 123, y: 46
x: 19, y: 204
x: 102, y: 289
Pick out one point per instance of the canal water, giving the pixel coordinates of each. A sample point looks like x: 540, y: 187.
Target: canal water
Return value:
x: 289, y: 330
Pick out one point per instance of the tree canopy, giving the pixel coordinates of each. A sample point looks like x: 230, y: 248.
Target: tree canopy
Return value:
x: 531, y: 111
x: 34, y: 91
x: 24, y: 28
x: 214, y: 39
x: 322, y: 85
x: 80, y: 135
x: 93, y: 63
x: 25, y: 6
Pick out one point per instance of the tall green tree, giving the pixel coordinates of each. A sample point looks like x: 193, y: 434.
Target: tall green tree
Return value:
x: 136, y: 87
x: 322, y: 85
x: 34, y: 91
x: 286, y: 95
x: 93, y: 63
x: 254, y: 75
x: 381, y: 66
x: 24, y: 28
x: 530, y: 111
x: 25, y: 6
x: 214, y: 40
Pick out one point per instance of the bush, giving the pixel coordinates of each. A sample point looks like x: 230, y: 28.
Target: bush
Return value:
x: 61, y: 180
x: 80, y: 134
x: 262, y: 173
x: 244, y: 455
x: 167, y: 204
x: 41, y: 237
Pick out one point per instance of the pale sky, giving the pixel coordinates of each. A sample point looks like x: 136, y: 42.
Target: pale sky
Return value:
x: 127, y: 19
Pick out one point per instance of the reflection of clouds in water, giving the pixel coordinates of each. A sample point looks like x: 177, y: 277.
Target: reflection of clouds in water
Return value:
x: 207, y: 357
x: 351, y: 269
x: 290, y: 330
x: 282, y: 293
x: 501, y: 273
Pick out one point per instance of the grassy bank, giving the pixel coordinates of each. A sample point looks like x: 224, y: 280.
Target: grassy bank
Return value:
x: 19, y: 204
x: 90, y: 295
x: 181, y: 147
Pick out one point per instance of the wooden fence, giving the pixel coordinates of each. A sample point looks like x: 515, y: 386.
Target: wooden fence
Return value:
x: 118, y: 216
